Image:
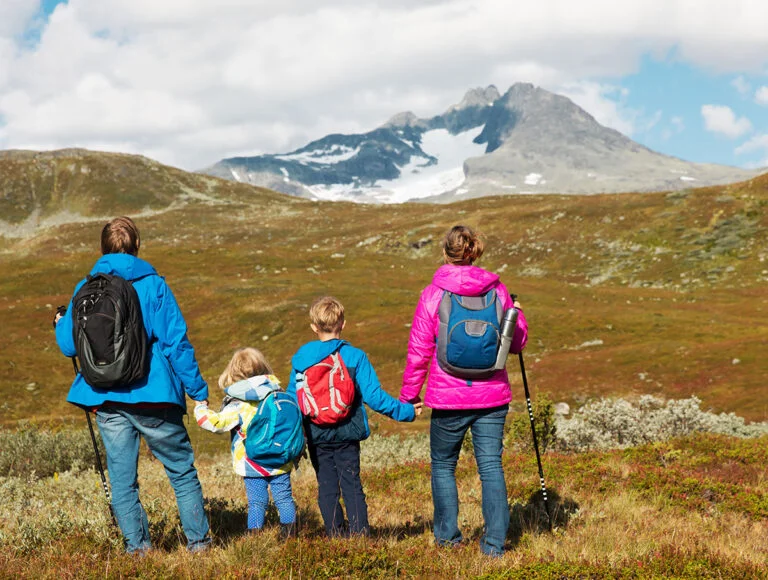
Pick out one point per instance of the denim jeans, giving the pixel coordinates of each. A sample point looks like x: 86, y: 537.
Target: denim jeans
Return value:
x: 167, y: 438
x: 337, y: 466
x: 447, y: 431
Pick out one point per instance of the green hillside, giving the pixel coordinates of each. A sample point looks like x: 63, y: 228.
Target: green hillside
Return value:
x: 37, y: 185
x: 625, y: 294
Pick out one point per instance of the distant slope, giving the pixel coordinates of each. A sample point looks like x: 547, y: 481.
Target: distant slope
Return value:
x: 39, y: 188
x: 525, y: 141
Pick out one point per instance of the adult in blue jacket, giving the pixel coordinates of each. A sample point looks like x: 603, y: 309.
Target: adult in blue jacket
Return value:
x: 153, y: 407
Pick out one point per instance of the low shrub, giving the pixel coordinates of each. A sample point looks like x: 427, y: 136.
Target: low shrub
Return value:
x: 380, y: 451
x: 37, y: 452
x: 618, y: 423
x: 518, y: 429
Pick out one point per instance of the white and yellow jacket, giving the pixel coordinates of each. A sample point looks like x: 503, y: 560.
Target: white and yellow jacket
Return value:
x: 238, y: 408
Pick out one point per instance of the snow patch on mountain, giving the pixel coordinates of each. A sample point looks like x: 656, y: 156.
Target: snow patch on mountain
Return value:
x: 421, y: 177
x: 335, y: 154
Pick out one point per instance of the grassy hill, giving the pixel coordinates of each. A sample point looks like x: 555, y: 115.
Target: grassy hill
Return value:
x: 75, y: 184
x: 625, y: 294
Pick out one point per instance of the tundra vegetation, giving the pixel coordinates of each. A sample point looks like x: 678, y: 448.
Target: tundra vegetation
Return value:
x: 647, y: 315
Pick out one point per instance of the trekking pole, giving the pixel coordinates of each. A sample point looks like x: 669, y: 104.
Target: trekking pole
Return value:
x: 98, y: 456
x: 533, y: 430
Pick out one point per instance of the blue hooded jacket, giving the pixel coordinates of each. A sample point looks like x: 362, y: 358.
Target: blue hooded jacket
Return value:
x: 367, y: 386
x: 173, y: 369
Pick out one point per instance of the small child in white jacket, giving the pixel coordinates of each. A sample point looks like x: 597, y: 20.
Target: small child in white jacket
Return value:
x: 248, y: 379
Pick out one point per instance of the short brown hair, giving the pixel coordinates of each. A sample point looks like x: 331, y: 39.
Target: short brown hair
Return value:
x: 245, y: 363
x: 327, y: 314
x: 462, y: 246
x: 120, y: 236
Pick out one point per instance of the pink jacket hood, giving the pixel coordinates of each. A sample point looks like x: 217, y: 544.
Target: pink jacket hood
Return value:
x: 465, y: 280
x: 445, y: 391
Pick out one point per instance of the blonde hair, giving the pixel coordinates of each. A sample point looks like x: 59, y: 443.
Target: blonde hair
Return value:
x: 462, y: 246
x: 327, y: 314
x: 120, y: 236
x: 245, y: 363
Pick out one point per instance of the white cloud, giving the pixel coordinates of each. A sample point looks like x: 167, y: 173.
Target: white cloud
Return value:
x: 721, y: 119
x: 14, y: 16
x: 758, y: 143
x: 761, y: 96
x: 741, y: 84
x: 676, y: 126
x: 196, y: 80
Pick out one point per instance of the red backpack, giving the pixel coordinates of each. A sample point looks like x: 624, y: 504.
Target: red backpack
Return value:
x: 327, y: 393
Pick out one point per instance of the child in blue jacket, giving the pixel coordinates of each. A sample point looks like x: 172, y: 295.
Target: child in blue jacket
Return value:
x: 334, y: 450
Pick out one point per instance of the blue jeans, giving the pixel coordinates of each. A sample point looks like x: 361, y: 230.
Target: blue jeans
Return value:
x: 447, y: 431
x: 258, y: 499
x: 167, y: 438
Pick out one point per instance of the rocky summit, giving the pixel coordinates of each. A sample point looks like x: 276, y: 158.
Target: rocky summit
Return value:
x: 527, y: 140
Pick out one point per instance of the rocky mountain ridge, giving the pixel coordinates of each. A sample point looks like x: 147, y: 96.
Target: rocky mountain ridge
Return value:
x: 527, y: 140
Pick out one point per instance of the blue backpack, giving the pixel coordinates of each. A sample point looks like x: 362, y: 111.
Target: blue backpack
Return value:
x: 275, y: 435
x: 469, y: 335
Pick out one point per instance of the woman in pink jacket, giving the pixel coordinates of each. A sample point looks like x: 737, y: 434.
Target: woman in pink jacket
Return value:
x: 461, y: 404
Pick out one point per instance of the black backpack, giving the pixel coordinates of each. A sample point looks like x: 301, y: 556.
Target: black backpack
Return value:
x: 108, y: 331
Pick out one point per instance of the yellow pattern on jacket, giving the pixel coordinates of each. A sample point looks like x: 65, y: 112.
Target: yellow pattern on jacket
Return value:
x: 234, y: 418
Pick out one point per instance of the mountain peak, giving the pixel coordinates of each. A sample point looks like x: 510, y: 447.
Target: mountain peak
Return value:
x: 477, y: 97
x: 406, y: 119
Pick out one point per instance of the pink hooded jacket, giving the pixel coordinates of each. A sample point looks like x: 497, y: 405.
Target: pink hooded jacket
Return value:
x: 445, y: 391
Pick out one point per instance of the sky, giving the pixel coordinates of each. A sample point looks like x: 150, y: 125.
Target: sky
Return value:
x: 189, y: 82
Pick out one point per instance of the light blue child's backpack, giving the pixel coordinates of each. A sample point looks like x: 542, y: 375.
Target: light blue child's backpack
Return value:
x: 275, y: 435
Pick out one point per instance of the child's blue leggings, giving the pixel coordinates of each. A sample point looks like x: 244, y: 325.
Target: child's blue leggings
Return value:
x: 258, y: 498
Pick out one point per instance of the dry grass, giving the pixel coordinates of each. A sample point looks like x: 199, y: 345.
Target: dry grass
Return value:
x: 613, y: 529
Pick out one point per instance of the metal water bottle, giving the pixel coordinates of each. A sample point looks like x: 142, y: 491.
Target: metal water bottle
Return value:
x: 508, y: 325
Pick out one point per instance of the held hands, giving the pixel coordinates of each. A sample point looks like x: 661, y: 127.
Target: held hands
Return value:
x: 417, y: 408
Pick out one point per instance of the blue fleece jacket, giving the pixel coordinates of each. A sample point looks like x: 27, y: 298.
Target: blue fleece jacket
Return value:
x: 173, y: 369
x: 367, y: 386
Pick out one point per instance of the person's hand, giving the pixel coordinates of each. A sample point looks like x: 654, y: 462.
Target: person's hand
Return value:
x: 60, y: 311
x: 203, y: 403
x: 417, y: 408
x: 516, y: 304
